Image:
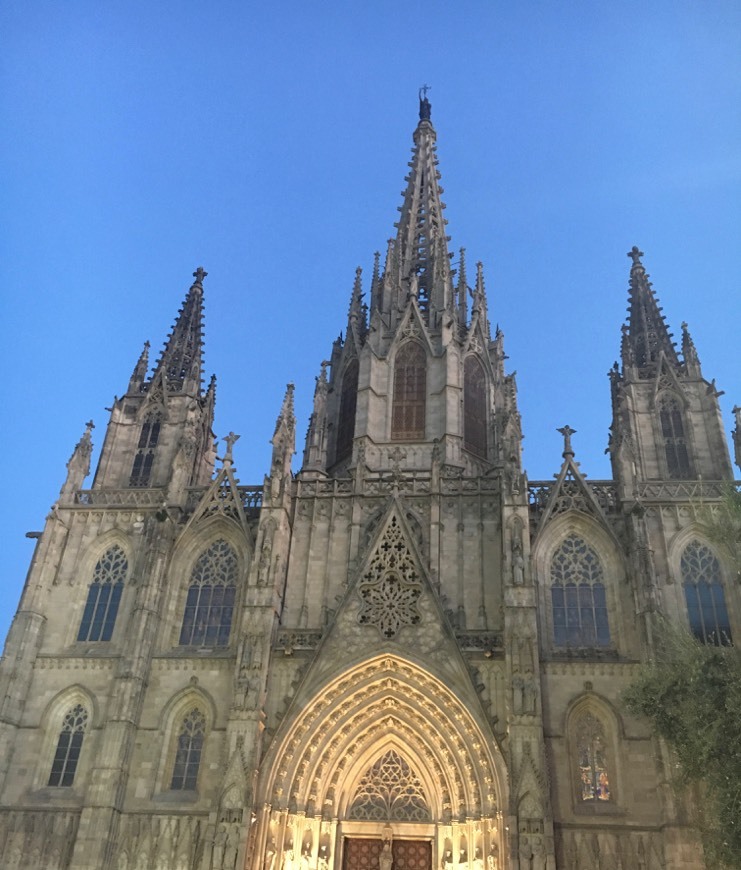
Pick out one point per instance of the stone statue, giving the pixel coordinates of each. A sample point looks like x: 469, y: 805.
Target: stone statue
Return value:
x: 288, y: 860
x: 385, y: 859
x: 518, y: 561
x: 447, y: 862
x: 538, y: 862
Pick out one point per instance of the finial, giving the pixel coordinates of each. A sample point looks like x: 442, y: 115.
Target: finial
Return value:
x: 230, y: 440
x: 567, y: 432
x: 90, y: 426
x: 635, y: 255
x: 424, y: 104
x: 199, y: 274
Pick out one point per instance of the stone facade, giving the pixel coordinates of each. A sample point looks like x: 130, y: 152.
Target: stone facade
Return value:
x: 406, y: 642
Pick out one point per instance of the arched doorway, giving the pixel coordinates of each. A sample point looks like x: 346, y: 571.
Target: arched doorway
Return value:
x: 384, y: 752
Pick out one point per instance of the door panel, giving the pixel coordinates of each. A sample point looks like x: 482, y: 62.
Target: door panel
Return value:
x: 363, y: 854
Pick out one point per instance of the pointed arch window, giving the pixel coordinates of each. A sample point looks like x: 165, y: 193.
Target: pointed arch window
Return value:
x: 591, y: 750
x: 578, y: 599
x: 671, y: 420
x: 410, y: 389
x: 141, y: 471
x: 703, y: 591
x: 348, y: 406
x: 209, y: 607
x: 474, y: 407
x: 104, y: 596
x: 188, y: 751
x: 390, y: 790
x: 69, y: 747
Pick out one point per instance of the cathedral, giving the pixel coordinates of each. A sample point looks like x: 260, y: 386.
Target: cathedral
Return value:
x: 405, y: 654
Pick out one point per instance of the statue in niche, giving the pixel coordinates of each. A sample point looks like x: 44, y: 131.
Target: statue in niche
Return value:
x: 478, y: 861
x: 492, y: 859
x: 539, y: 857
x: 518, y: 560
x: 526, y: 854
x: 447, y: 862
x: 288, y: 860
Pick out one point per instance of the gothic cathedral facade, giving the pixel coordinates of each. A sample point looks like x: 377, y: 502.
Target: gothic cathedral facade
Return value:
x: 405, y: 654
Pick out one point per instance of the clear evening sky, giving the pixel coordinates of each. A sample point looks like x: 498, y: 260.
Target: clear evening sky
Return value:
x: 268, y: 142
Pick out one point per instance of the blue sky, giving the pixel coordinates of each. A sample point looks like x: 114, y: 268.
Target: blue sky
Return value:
x: 269, y: 142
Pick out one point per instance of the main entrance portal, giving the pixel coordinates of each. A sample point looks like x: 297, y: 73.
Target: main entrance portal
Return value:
x: 364, y: 854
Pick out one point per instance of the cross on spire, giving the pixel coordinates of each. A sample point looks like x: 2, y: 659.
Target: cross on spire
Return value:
x: 199, y: 274
x: 635, y: 255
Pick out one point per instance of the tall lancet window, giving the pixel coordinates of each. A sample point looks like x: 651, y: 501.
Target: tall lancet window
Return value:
x: 410, y: 388
x: 188, y: 751
x: 209, y: 608
x: 141, y: 471
x: 69, y: 746
x: 104, y: 595
x: 474, y: 407
x: 675, y: 441
x: 703, y: 591
x: 348, y: 405
x: 591, y: 747
x: 578, y: 596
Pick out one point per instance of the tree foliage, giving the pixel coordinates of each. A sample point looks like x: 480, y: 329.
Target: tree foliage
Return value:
x: 691, y: 692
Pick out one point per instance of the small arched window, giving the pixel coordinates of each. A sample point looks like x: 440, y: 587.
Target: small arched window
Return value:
x: 188, y: 751
x: 578, y: 596
x: 141, y: 471
x: 703, y: 591
x: 69, y: 746
x: 591, y: 752
x: 474, y: 407
x: 104, y: 595
x: 410, y: 388
x: 671, y: 420
x: 209, y: 607
x: 348, y: 405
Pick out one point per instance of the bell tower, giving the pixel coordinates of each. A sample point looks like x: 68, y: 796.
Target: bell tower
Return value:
x: 159, y: 432
x: 666, y: 418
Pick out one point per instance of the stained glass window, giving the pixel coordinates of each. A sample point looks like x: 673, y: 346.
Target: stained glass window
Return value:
x: 703, y: 590
x: 69, y: 746
x: 474, y: 407
x: 141, y: 471
x: 675, y: 443
x: 410, y: 387
x: 188, y: 751
x: 209, y: 606
x: 348, y: 404
x: 578, y: 597
x: 594, y: 780
x: 104, y: 595
x: 390, y: 789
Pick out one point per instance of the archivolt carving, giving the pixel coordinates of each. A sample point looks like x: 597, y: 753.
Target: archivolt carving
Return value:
x: 385, y: 702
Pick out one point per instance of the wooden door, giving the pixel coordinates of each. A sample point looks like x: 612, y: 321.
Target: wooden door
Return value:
x: 363, y: 854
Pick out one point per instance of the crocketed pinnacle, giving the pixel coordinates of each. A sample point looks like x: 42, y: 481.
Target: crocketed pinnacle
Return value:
x: 180, y: 364
x: 647, y: 335
x: 138, y: 376
x: 421, y: 249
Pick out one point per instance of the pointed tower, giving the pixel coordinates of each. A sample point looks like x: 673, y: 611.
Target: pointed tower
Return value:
x: 414, y: 375
x: 160, y: 432
x: 666, y: 418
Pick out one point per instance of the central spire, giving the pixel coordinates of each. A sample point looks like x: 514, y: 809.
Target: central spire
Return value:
x: 421, y: 248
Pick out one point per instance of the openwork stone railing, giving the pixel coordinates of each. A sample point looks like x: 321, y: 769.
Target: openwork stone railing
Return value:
x: 120, y: 497
x: 684, y: 490
x: 539, y: 494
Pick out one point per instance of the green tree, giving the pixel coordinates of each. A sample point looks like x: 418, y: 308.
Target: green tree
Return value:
x: 691, y: 693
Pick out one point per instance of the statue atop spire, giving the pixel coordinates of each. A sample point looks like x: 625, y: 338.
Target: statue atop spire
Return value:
x: 567, y: 432
x: 425, y: 107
